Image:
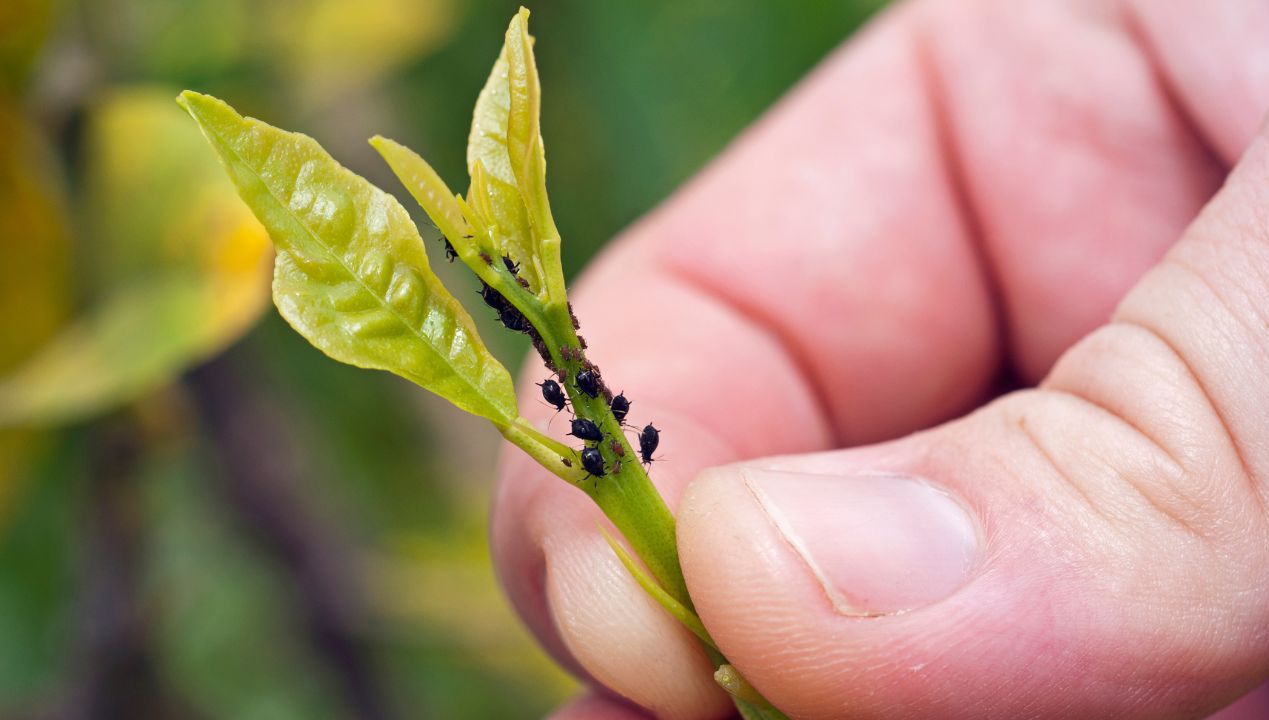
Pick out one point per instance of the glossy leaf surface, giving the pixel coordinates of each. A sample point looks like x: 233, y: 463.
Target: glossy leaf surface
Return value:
x: 351, y: 273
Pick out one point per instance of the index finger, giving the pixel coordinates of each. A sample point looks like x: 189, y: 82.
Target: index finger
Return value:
x: 857, y: 311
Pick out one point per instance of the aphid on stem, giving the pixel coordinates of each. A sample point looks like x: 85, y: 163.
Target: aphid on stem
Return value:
x: 649, y: 438
x: 620, y: 406
x: 586, y: 430
x: 593, y: 461
x: 553, y: 394
x: 588, y: 382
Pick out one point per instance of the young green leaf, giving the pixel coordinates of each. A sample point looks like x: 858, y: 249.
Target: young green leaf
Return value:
x: 425, y: 184
x: 505, y: 150
x: 498, y: 216
x: 351, y: 273
x: 524, y: 136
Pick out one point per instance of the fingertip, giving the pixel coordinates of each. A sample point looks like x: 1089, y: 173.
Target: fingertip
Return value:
x: 621, y: 636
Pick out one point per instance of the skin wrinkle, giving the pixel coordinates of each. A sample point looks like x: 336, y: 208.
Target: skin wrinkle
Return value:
x: 1038, y: 445
x: 1079, y: 395
x: 1249, y: 478
x: 954, y: 172
x: 1217, y: 102
x: 1238, y: 315
x: 1003, y: 261
x: 788, y: 347
x: 1128, y: 477
x: 1136, y: 31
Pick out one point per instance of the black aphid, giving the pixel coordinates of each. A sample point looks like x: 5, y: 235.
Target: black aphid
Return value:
x: 552, y: 393
x: 485, y: 256
x: 586, y: 430
x: 593, y: 461
x: 512, y: 266
x: 508, y: 315
x: 588, y: 382
x: 513, y: 320
x: 649, y: 438
x: 620, y: 406
x: 450, y: 252
x: 492, y: 298
x: 566, y: 462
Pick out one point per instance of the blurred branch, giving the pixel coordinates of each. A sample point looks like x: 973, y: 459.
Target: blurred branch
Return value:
x: 118, y: 676
x: 261, y: 482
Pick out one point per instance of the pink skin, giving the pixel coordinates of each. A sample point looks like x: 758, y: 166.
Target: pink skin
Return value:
x: 964, y: 187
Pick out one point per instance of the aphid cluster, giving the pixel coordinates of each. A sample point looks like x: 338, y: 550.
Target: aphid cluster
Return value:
x: 573, y: 367
x: 584, y: 429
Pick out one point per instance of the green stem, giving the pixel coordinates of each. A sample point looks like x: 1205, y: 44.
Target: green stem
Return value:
x: 549, y: 452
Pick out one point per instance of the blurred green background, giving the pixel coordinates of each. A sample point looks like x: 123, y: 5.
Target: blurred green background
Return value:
x: 200, y: 515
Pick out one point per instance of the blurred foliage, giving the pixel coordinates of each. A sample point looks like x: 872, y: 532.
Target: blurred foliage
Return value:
x: 177, y: 277
x: 24, y: 24
x: 106, y: 217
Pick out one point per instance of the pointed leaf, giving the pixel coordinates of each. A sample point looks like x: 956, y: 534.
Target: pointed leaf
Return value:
x: 351, y: 273
x: 425, y: 184
x: 525, y: 150
x: 505, y: 151
x: 524, y: 98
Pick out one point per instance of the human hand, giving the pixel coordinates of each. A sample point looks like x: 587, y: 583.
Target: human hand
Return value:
x: 966, y: 192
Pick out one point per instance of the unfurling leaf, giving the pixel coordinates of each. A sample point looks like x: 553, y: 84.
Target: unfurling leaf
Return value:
x: 351, y: 273
x: 507, y: 162
x: 427, y: 187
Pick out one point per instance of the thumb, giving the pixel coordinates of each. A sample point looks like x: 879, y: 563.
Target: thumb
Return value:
x: 1097, y: 547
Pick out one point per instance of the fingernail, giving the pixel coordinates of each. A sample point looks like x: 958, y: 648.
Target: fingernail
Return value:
x: 878, y: 543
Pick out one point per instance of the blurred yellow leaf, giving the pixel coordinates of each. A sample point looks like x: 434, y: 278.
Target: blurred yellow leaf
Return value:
x: 34, y: 274
x: 181, y: 268
x: 24, y: 25
x: 156, y: 203
x: 331, y: 46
